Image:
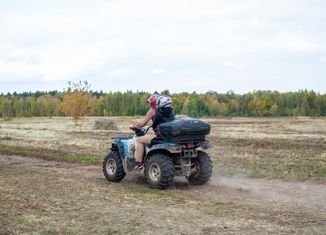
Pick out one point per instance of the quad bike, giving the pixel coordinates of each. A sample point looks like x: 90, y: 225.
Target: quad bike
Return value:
x: 164, y: 158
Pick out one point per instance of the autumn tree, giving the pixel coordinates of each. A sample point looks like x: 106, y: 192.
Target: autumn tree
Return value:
x: 77, y: 101
x: 6, y: 108
x: 48, y: 105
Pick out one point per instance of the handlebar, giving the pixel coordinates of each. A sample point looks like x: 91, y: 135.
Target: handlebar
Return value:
x: 140, y: 131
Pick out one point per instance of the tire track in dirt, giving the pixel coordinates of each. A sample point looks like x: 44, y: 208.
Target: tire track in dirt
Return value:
x: 258, y: 191
x: 304, y: 194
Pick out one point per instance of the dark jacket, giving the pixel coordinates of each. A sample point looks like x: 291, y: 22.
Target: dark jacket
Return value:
x: 165, y: 114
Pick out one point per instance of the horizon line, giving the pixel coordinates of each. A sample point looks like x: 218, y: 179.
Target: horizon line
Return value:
x: 165, y: 90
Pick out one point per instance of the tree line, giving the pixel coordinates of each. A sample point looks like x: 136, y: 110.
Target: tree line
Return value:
x: 210, y: 104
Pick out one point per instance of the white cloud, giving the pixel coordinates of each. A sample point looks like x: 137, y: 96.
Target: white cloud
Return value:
x: 17, y: 70
x: 322, y: 59
x: 122, y: 72
x: 52, y: 62
x: 158, y: 71
x: 194, y: 40
x: 64, y: 63
x: 230, y: 64
x: 236, y: 65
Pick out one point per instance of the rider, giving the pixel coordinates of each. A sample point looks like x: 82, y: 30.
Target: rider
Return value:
x: 160, y: 111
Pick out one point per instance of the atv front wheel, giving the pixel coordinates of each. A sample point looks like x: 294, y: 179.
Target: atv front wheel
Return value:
x: 159, y: 171
x: 113, y: 168
x: 202, y: 169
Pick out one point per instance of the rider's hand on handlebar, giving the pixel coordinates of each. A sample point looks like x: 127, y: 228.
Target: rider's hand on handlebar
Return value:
x: 133, y: 127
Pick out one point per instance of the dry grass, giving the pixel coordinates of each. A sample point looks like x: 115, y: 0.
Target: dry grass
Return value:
x: 59, y: 198
x: 62, y: 199
x: 105, y: 124
x: 293, y: 148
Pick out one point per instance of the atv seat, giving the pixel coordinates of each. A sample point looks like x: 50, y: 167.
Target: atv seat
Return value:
x: 156, y: 140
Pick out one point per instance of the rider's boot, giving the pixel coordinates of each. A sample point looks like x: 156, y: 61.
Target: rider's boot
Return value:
x: 139, y: 166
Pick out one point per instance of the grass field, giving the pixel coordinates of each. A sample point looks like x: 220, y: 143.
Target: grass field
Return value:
x: 293, y: 148
x: 269, y: 177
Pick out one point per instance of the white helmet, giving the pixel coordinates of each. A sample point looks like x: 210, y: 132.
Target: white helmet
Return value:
x: 164, y: 101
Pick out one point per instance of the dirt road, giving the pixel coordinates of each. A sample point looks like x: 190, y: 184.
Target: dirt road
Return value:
x: 55, y: 197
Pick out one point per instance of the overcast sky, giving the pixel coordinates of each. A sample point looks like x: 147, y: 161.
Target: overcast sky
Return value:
x: 148, y: 45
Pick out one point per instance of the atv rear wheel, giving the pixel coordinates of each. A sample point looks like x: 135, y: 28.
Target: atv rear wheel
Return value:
x: 113, y: 168
x: 159, y: 171
x: 202, y: 168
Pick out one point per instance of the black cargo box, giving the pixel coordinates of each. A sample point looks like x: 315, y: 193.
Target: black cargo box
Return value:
x: 184, y: 130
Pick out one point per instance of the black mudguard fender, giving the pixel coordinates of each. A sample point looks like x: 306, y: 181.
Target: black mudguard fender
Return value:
x: 171, y: 148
